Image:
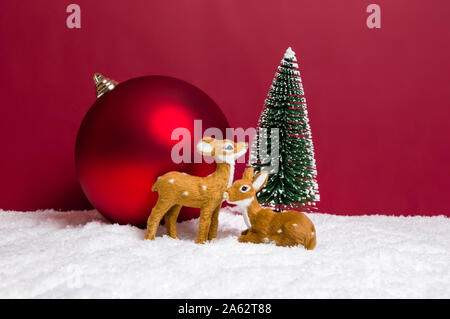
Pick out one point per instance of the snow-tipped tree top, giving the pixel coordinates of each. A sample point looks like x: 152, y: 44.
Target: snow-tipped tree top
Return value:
x: 290, y: 55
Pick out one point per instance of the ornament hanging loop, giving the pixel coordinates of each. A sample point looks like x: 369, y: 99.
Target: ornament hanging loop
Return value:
x: 103, y: 84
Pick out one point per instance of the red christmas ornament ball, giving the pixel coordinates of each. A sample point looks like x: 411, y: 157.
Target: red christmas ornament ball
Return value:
x: 124, y: 143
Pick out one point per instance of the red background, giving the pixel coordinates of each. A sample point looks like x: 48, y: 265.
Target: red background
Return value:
x: 378, y: 99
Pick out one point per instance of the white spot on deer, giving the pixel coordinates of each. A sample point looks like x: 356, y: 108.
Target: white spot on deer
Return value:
x: 294, y: 225
x: 171, y: 181
x: 312, y: 233
x: 204, y: 187
x: 185, y: 193
x: 279, y: 231
x: 159, y: 177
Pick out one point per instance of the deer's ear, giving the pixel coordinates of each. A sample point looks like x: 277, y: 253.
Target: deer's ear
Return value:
x: 204, y: 147
x: 208, y: 139
x: 260, y: 180
x: 248, y: 173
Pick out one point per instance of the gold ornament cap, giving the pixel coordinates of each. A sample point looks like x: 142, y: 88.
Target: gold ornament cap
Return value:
x: 103, y: 84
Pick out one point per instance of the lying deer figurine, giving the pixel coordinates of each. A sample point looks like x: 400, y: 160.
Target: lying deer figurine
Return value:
x: 179, y: 189
x: 288, y: 228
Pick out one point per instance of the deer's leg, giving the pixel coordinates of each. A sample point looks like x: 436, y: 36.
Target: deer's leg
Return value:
x: 171, y: 220
x: 204, y: 224
x: 214, y: 223
x: 155, y: 217
x: 251, y: 237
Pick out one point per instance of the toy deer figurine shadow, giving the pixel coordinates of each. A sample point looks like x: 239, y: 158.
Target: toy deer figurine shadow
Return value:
x: 180, y: 189
x: 288, y: 228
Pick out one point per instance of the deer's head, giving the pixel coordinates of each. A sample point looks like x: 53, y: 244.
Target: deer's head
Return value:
x: 243, y: 191
x: 224, y: 151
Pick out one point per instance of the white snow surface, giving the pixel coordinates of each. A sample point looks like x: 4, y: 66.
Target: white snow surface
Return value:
x: 50, y: 254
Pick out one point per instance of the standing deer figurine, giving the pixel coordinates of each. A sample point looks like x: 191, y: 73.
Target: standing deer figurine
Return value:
x: 288, y: 228
x: 177, y: 189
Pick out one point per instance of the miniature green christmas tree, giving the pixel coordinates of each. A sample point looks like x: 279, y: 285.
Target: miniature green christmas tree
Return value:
x: 283, y: 143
